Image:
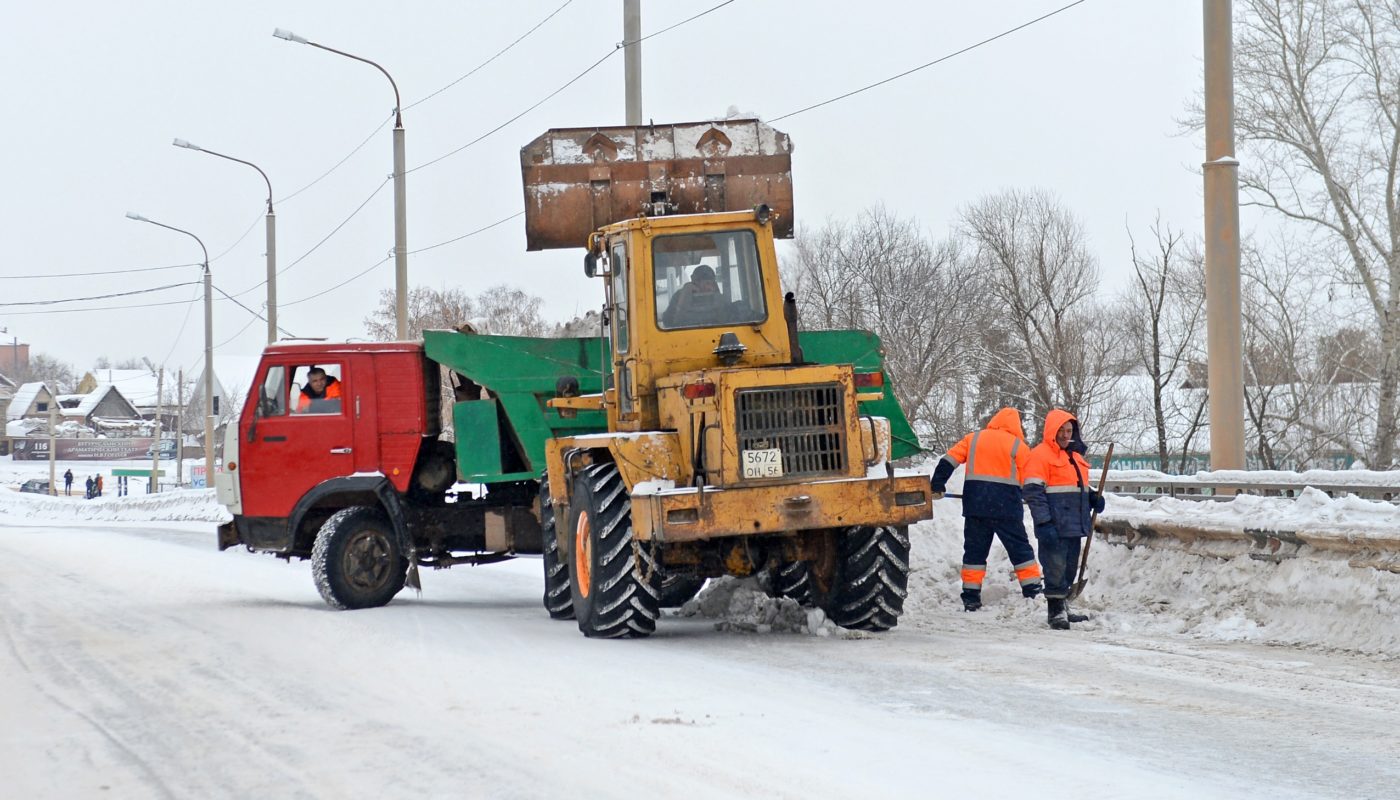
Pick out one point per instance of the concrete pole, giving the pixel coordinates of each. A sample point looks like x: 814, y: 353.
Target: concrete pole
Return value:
x: 208, y: 378
x: 400, y: 234
x: 154, y: 485
x: 180, y: 427
x: 1222, y: 244
x: 53, y: 446
x: 271, y: 273
x: 632, y: 58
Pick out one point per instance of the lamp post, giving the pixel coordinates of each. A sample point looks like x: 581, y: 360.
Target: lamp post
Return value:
x: 400, y: 215
x: 208, y: 350
x: 271, y: 238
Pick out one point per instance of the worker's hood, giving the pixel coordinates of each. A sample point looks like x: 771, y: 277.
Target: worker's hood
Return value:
x: 1009, y: 420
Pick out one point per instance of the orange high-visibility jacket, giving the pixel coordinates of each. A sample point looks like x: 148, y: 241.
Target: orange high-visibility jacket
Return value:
x: 996, y: 459
x: 332, y: 393
x: 1058, y: 490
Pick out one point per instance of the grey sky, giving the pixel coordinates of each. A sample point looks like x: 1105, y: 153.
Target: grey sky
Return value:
x: 1083, y: 104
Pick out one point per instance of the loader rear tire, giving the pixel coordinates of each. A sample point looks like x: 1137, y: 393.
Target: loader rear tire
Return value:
x: 872, y: 578
x: 793, y: 580
x: 558, y: 595
x: 615, y: 583
x: 357, y: 561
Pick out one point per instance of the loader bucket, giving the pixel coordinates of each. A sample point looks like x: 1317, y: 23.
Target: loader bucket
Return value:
x: 579, y: 179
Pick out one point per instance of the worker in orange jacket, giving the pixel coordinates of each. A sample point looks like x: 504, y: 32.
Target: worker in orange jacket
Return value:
x: 996, y: 459
x: 1062, y: 503
x: 319, y: 386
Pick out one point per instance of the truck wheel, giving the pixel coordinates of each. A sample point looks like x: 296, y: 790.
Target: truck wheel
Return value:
x: 356, y: 560
x: 791, y: 579
x: 872, y: 578
x: 611, y: 599
x: 558, y: 595
x: 677, y: 589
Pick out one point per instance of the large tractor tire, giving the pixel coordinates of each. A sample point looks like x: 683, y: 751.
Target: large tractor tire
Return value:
x: 357, y: 561
x: 558, y: 594
x: 872, y: 578
x: 793, y: 580
x: 677, y: 590
x: 615, y: 584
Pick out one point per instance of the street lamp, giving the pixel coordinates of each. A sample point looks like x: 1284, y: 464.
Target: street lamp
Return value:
x: 400, y: 215
x: 208, y: 351
x: 271, y: 238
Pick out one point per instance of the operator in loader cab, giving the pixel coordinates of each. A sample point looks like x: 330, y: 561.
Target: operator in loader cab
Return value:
x: 695, y: 303
x: 319, y: 387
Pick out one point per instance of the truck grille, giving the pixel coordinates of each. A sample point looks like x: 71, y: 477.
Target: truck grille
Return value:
x: 807, y: 423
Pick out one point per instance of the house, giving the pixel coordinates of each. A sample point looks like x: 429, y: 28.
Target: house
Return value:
x: 138, y: 386
x: 103, y: 408
x: 30, y: 400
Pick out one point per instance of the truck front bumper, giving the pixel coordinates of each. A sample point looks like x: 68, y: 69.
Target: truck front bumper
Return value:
x: 689, y: 514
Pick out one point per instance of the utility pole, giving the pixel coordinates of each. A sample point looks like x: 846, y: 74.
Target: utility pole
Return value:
x: 155, y: 447
x: 53, y: 446
x: 632, y: 58
x: 1225, y: 372
x: 180, y: 429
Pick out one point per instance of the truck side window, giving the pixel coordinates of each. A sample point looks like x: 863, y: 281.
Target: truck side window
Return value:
x: 316, y: 389
x: 272, y: 396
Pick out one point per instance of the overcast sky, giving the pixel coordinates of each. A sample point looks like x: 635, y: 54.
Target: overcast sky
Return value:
x: 1084, y: 104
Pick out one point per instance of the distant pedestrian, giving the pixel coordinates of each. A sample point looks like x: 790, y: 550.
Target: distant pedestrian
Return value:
x: 996, y: 459
x: 68, y: 482
x: 1062, y: 504
x: 98, y: 485
x: 90, y: 485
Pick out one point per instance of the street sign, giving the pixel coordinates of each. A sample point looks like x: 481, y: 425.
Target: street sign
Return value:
x: 137, y: 473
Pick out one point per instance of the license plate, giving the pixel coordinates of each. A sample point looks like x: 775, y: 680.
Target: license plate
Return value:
x: 763, y: 463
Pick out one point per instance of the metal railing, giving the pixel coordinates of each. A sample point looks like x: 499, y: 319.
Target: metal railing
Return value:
x: 1194, y: 489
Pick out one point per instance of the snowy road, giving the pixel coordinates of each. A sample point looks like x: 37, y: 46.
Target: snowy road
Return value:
x: 139, y: 662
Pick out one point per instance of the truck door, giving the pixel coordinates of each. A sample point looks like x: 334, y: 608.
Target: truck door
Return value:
x: 296, y: 439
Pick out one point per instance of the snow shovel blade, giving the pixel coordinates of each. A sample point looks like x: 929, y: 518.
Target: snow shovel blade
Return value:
x: 1078, y: 587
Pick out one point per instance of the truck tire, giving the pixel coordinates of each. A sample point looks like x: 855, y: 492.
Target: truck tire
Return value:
x: 791, y: 579
x: 616, y: 595
x: 676, y: 590
x: 872, y: 578
x: 357, y: 561
x: 558, y: 594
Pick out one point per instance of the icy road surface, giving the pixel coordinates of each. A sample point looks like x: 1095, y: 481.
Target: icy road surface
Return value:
x: 139, y: 662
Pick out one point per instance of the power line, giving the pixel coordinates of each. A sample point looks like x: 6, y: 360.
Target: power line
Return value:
x: 619, y: 46
x: 100, y: 272
x: 939, y: 60
x: 98, y: 296
x: 256, y: 315
x: 465, y: 235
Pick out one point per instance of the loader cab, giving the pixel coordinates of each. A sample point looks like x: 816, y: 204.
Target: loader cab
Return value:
x: 684, y: 293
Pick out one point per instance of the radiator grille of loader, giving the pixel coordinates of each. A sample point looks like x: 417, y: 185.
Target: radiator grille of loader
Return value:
x: 807, y: 423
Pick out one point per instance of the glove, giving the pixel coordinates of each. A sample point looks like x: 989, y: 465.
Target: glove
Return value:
x: 1046, y: 532
x: 938, y: 487
x: 937, y: 496
x: 1096, y: 502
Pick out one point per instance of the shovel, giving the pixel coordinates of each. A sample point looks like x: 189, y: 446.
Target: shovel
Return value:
x: 1078, y: 586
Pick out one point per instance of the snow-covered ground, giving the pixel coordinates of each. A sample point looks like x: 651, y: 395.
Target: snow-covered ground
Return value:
x: 141, y: 662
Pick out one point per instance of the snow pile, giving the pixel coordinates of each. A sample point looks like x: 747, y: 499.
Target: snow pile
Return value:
x: 741, y: 604
x: 179, y: 505
x: 1313, y: 511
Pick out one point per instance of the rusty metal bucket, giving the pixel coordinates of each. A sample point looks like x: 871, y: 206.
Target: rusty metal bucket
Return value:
x: 580, y: 179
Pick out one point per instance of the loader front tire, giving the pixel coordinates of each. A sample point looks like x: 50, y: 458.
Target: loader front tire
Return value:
x: 872, y: 578
x: 792, y: 579
x: 356, y: 560
x: 558, y: 594
x: 615, y: 583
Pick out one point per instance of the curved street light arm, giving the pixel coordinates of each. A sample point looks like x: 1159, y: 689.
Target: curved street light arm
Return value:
x: 398, y: 115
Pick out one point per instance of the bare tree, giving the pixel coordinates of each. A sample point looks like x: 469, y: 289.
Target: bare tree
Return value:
x: 1160, y: 322
x: 1041, y: 279
x: 882, y: 274
x: 1318, y: 110
x: 59, y: 376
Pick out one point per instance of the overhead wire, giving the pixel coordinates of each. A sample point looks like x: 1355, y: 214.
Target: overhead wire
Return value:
x: 101, y: 272
x: 98, y: 296
x: 616, y: 48
x: 938, y: 60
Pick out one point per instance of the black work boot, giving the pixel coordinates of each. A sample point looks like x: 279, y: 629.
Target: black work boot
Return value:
x: 971, y: 600
x: 1057, y: 614
x: 1073, y: 617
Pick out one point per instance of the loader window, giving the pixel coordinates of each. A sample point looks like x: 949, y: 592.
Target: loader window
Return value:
x: 619, y: 298
x: 707, y: 280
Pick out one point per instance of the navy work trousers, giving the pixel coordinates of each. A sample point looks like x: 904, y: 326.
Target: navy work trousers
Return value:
x: 1060, y: 559
x: 977, y: 545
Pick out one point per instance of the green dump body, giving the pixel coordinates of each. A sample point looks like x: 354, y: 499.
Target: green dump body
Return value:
x: 502, y: 438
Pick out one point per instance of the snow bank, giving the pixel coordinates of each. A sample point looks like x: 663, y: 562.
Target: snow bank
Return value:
x: 179, y: 505
x: 1348, y: 517
x: 741, y: 604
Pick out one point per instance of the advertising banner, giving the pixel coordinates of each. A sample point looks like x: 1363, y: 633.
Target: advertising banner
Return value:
x: 37, y: 449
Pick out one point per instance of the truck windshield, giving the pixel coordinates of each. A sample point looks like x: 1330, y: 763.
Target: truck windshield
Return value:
x: 705, y: 280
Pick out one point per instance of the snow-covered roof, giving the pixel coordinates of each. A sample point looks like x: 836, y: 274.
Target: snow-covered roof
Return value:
x: 87, y: 403
x: 138, y: 386
x: 24, y: 397
x: 6, y: 383
x: 20, y: 428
